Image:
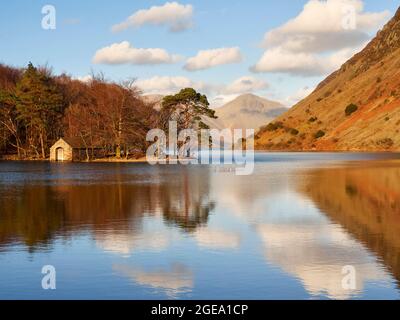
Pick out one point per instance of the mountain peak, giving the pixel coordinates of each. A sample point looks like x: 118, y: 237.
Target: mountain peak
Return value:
x: 249, y: 111
x: 251, y: 98
x: 248, y: 95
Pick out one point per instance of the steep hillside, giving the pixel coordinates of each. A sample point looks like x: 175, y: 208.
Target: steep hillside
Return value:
x: 249, y: 111
x: 355, y: 108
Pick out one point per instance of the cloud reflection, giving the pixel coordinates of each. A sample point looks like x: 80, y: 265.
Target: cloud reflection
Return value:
x: 178, y: 279
x: 315, y: 253
x: 127, y: 242
x: 217, y: 239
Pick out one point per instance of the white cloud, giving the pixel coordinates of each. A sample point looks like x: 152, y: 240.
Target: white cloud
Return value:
x: 86, y: 79
x: 218, y: 94
x: 175, y: 16
x: 222, y: 99
x: 301, y: 63
x: 122, y: 53
x: 298, y: 96
x: 321, y: 38
x: 326, y: 25
x: 206, y: 59
x: 229, y: 92
x: 278, y: 60
x: 167, y: 85
x: 336, y: 59
x: 246, y: 84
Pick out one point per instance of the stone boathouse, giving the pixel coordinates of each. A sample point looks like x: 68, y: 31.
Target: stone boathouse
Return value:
x: 72, y: 149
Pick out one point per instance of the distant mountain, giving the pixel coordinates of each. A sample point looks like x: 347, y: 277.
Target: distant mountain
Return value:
x: 248, y: 111
x: 154, y: 99
x: 355, y: 108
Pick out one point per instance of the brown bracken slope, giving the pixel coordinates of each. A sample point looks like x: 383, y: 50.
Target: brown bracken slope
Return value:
x: 366, y: 202
x: 370, y: 81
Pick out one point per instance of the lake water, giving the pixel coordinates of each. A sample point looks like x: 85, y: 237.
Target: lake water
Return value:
x: 135, y: 231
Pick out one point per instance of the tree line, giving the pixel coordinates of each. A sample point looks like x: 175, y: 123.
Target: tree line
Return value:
x: 37, y: 108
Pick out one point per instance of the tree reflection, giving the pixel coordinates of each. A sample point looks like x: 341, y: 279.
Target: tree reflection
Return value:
x: 35, y: 213
x: 31, y: 215
x: 187, y: 203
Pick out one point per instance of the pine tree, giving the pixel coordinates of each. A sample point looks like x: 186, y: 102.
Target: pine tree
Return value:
x: 39, y: 107
x: 187, y: 108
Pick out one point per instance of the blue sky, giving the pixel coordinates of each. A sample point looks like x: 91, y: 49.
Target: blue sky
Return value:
x: 84, y: 27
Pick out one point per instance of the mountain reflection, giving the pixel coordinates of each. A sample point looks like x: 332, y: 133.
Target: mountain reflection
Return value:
x: 200, y: 232
x: 365, y: 200
x: 313, y: 222
x: 36, y: 213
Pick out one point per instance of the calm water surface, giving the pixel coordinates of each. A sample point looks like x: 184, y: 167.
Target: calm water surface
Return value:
x: 134, y: 231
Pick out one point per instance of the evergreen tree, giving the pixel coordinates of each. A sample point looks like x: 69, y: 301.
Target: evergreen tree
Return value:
x: 188, y: 108
x: 39, y: 107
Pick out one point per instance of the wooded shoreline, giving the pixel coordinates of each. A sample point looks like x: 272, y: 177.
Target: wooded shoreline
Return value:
x: 11, y: 158
x: 38, y: 108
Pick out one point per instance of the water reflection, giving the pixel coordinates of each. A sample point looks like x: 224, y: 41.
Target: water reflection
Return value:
x: 217, y: 238
x: 313, y: 222
x: 174, y: 281
x: 295, y: 211
x: 365, y: 200
x: 316, y: 254
x: 125, y: 242
x: 36, y: 213
x: 201, y: 232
